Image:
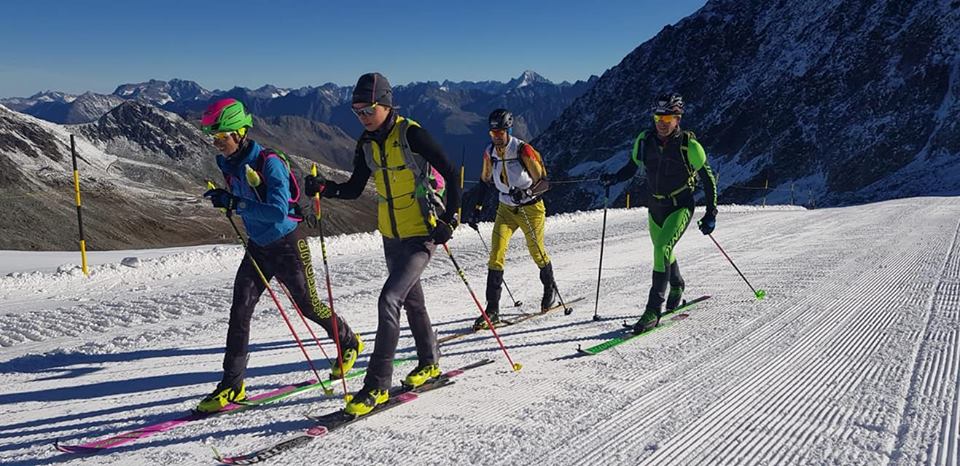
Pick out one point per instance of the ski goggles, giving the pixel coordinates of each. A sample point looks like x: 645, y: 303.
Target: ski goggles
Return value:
x: 498, y: 132
x: 365, y: 111
x: 666, y: 118
x: 222, y: 135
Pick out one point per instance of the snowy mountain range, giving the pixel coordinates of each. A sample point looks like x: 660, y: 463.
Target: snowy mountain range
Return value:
x: 119, y: 211
x: 803, y: 102
x: 143, y: 136
x: 142, y: 172
x: 153, y: 157
x: 162, y: 92
x: 834, y: 101
x: 21, y: 103
x: 68, y: 109
x: 455, y: 112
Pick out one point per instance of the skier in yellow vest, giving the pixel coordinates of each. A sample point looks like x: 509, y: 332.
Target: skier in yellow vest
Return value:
x: 419, y: 195
x: 516, y: 172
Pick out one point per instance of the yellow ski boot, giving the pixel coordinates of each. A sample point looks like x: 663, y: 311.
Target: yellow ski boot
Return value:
x: 220, y: 398
x: 349, y: 358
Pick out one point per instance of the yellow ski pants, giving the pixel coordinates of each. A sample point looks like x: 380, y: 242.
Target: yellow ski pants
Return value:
x: 530, y: 220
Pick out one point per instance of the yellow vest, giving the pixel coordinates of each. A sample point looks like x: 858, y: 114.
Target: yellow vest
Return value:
x: 405, y: 208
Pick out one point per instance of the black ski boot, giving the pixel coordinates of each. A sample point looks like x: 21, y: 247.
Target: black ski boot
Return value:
x: 675, y: 298
x: 493, y: 314
x: 649, y: 320
x: 494, y: 283
x: 549, y: 288
x: 651, y: 316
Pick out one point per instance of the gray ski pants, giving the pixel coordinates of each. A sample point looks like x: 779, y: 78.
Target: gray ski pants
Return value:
x: 406, y: 258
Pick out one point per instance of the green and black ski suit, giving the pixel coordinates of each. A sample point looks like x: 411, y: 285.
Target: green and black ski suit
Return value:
x: 672, y: 167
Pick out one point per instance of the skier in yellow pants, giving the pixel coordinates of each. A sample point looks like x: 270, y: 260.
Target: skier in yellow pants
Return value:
x: 515, y: 169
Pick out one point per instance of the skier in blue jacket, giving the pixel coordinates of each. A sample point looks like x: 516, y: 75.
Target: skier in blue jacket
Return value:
x: 263, y: 192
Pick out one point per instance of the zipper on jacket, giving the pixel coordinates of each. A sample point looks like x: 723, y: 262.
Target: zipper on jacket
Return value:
x: 386, y: 187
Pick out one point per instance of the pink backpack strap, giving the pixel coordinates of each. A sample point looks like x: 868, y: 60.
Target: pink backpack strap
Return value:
x: 228, y: 181
x: 439, y: 182
x: 295, y: 194
x: 294, y: 184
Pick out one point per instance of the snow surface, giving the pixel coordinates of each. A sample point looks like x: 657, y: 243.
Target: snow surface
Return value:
x: 13, y: 262
x: 852, y: 358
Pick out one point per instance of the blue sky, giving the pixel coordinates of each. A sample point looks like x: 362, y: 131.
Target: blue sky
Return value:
x: 95, y: 45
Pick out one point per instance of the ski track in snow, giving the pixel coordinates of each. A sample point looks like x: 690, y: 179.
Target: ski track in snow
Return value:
x: 852, y: 359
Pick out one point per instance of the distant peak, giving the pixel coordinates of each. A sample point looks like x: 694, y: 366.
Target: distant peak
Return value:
x: 529, y: 77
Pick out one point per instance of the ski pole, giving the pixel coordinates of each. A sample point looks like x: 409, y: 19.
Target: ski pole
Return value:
x: 326, y: 273
x: 566, y: 310
x: 603, y: 236
x: 514, y: 365
x: 760, y: 294
x: 515, y: 302
x: 266, y: 283
x: 327, y: 390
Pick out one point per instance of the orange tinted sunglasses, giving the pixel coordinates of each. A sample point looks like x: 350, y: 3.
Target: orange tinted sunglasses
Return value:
x: 666, y: 118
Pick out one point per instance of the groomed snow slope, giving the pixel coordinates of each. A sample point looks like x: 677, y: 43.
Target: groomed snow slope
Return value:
x: 852, y: 359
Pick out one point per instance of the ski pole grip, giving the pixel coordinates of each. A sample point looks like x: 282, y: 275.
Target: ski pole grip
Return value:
x: 253, y: 178
x: 316, y: 197
x: 212, y: 185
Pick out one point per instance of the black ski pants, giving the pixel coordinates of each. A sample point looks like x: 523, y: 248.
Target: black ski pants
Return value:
x: 287, y: 259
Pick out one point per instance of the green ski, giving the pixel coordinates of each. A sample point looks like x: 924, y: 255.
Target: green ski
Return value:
x: 675, y: 315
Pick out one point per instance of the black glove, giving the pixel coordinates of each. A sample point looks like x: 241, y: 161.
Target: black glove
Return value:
x: 444, y: 230
x: 707, y: 223
x: 517, y: 194
x: 473, y: 217
x: 221, y: 198
x: 608, y: 179
x: 313, y: 185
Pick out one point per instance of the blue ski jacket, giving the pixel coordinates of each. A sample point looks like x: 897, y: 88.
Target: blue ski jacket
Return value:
x: 266, y: 220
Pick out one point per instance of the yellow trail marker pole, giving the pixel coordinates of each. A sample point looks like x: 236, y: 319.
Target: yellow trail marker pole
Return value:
x: 76, y: 187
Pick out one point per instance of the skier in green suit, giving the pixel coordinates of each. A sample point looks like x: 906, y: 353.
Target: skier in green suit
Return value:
x: 672, y: 160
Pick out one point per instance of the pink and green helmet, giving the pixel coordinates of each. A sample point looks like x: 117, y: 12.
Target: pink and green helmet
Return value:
x: 225, y: 115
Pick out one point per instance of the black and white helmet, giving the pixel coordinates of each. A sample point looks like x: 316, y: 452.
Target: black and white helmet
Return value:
x: 501, y: 118
x: 670, y: 103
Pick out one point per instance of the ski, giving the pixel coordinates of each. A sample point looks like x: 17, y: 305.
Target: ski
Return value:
x: 332, y: 421
x: 508, y: 322
x: 675, y: 315
x: 261, y: 399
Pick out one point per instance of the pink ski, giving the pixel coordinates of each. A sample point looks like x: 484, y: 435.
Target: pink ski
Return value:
x: 124, y: 438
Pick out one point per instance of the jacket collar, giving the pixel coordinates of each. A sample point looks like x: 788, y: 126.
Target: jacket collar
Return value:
x: 246, y: 155
x: 380, y: 134
x: 674, y: 135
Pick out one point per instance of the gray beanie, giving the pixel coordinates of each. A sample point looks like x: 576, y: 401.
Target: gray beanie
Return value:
x: 373, y: 88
